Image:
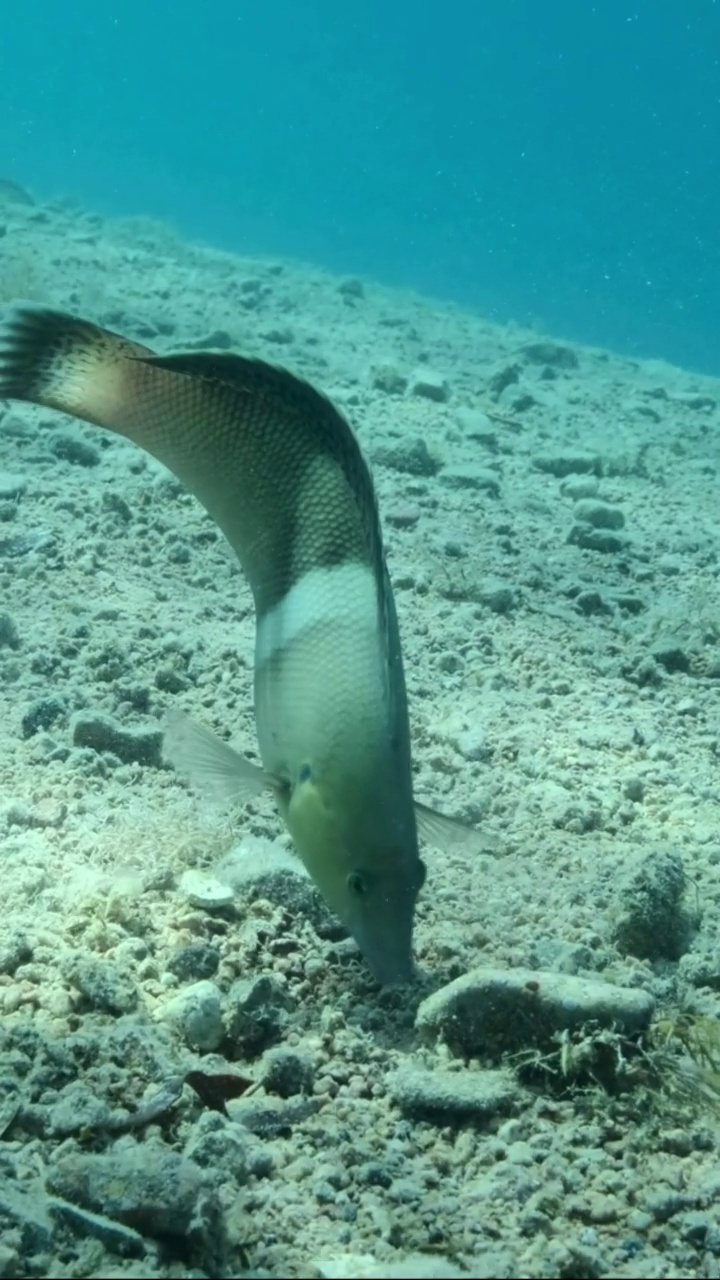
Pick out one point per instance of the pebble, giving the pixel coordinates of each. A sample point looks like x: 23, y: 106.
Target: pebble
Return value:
x: 15, y: 950
x: 577, y: 487
x: 352, y: 288
x: 466, y: 475
x: 431, y: 385
x: 41, y: 715
x: 411, y: 457
x: 650, y: 919
x: 449, y: 1096
x: 402, y: 517
x: 388, y: 378
x: 12, y: 485
x: 568, y: 462
x: 100, y: 984
x: 552, y: 353
x: 9, y: 638
x: 196, y: 1012
x: 202, y: 890
x: 502, y: 1010
x: 601, y: 515
x: 410, y: 1266
x: 498, y: 596
x: 701, y: 968
x: 591, y: 539
x: 144, y: 1185
x: 72, y: 448
x: 259, y: 869
x: 221, y: 1147
x: 670, y: 655
x: 287, y: 1072
x: 101, y: 733
x: 195, y: 962
x: 26, y: 1212
x: 214, y: 340
x: 477, y: 426
x: 256, y: 1012
x: 116, y: 1237
x: 78, y: 1107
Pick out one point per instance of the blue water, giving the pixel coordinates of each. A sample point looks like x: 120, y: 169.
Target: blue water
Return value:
x: 554, y: 162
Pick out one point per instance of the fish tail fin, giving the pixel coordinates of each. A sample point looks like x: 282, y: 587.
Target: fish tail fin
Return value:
x: 51, y: 358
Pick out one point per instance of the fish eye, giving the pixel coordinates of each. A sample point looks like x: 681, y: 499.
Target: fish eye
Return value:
x: 357, y: 884
x: 422, y: 873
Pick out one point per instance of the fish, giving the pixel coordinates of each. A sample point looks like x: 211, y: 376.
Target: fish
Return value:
x: 278, y: 468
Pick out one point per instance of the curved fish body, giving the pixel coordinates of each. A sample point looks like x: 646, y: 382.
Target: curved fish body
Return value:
x: 279, y: 470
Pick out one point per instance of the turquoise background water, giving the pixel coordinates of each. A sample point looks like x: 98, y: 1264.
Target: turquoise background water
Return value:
x: 557, y: 163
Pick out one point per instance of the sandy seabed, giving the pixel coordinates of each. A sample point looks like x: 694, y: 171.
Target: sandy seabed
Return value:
x: 551, y: 523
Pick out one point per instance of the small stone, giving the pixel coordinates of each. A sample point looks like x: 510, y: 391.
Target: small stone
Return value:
x: 11, y: 485
x: 497, y: 596
x: 71, y: 448
x: 259, y: 869
x: 663, y: 1203
x: 9, y: 638
x: 47, y: 813
x: 591, y: 602
x: 113, y: 1235
x: 196, y: 1012
x: 412, y: 457
x: 568, y: 462
x: 144, y: 1185
x: 388, y: 378
x: 670, y: 655
x: 601, y: 515
x: 466, y: 475
x: 402, y: 517
x: 554, y: 354
x: 504, y: 1010
x: 195, y: 962
x: 431, y: 385
x: 77, y: 1108
x: 651, y: 921
x: 215, y: 340
x: 219, y: 1146
x: 477, y: 426
x: 132, y: 746
x: 26, y: 1213
x: 351, y: 288
x: 100, y: 984
x: 578, y: 487
x: 287, y: 1072
x: 603, y: 540
x: 15, y: 950
x: 281, y: 335
x: 15, y: 427
x: 256, y: 1012
x: 202, y: 890
x: 670, y: 565
x: 42, y: 715
x: 450, y: 1096
x: 506, y: 375
x: 634, y: 788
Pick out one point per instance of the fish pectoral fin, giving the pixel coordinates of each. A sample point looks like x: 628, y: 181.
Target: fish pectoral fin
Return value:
x: 209, y: 763
x: 443, y: 832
